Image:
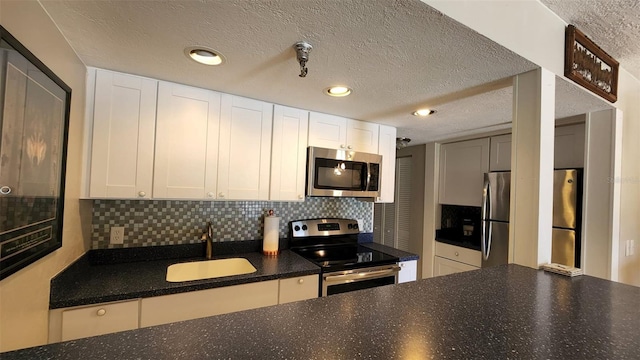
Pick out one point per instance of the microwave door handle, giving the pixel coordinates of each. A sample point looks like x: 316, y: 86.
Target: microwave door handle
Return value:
x: 368, y: 176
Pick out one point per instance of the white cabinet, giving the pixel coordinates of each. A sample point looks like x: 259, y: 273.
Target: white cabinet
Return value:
x: 245, y: 148
x: 335, y: 132
x: 500, y: 154
x: 451, y: 259
x: 298, y: 288
x: 124, y: 118
x: 288, y: 154
x: 84, y: 321
x: 186, y: 142
x: 569, y: 147
x: 408, y: 271
x: 387, y: 148
x: 197, y: 304
x: 462, y: 168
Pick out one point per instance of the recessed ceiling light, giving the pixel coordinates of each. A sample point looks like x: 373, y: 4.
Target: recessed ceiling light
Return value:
x: 204, y: 55
x: 338, y: 91
x: 423, y: 112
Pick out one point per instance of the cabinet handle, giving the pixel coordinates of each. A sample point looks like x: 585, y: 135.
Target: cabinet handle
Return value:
x: 401, y: 264
x: 221, y: 195
x: 101, y: 312
x: 457, y: 253
x: 210, y: 194
x: 300, y: 197
x: 349, y: 147
x: 300, y: 281
x: 341, y: 146
x: 5, y: 190
x: 142, y: 194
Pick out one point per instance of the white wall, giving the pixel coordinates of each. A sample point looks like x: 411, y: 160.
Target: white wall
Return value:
x: 24, y: 296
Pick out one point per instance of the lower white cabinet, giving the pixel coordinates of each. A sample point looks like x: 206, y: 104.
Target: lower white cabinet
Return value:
x: 298, y: 288
x: 408, y: 271
x: 197, y: 304
x: 450, y: 259
x: 84, y: 321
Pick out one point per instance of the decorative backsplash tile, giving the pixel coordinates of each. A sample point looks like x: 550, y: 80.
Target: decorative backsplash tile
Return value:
x: 170, y: 222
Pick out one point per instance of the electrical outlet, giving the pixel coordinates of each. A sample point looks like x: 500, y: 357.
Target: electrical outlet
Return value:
x: 361, y: 224
x: 117, y: 235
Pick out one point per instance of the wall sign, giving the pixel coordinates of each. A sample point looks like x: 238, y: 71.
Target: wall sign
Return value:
x: 34, y: 122
x: 590, y: 66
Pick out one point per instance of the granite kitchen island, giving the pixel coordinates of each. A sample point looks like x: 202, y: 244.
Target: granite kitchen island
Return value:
x: 505, y: 312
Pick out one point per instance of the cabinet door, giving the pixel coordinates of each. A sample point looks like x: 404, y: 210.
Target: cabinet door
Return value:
x: 500, y: 156
x: 408, y: 271
x: 124, y: 121
x: 327, y: 131
x: 459, y: 254
x: 186, y: 142
x: 569, y: 147
x: 298, y: 288
x: 245, y: 148
x: 99, y: 319
x: 444, y: 266
x: 362, y: 136
x: 387, y: 148
x: 197, y: 304
x: 462, y: 168
x: 288, y: 154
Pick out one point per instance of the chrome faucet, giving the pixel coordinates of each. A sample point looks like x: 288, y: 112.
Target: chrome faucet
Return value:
x: 208, y: 237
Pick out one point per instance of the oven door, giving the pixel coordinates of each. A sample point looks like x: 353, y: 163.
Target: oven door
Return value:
x: 358, y: 279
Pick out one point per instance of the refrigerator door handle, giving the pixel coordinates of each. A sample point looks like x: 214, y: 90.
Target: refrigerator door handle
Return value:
x: 490, y: 235
x: 485, y: 223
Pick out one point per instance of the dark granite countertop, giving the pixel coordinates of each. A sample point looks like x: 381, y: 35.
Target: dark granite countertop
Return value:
x: 504, y: 312
x: 93, y: 281
x: 402, y: 255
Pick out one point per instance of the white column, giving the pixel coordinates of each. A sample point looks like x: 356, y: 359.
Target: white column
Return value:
x: 601, y: 208
x: 532, y: 168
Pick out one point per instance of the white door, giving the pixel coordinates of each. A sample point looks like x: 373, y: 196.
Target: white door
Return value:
x: 387, y: 148
x: 186, y: 142
x: 123, y: 136
x: 327, y: 131
x: 289, y: 153
x: 362, y: 136
x: 245, y: 149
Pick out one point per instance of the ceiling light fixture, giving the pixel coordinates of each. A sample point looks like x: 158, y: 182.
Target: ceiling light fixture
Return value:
x: 337, y: 91
x: 423, y: 112
x: 303, y: 49
x: 204, y: 55
x: 402, y: 142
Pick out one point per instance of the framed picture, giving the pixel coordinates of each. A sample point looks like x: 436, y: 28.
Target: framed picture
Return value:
x: 34, y: 120
x: 588, y: 65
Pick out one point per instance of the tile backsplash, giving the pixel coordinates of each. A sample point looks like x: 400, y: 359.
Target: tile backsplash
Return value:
x: 171, y: 222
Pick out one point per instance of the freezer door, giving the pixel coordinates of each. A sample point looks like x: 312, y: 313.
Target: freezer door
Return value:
x: 565, y: 194
x: 497, y: 246
x: 496, y: 196
x: 563, y: 247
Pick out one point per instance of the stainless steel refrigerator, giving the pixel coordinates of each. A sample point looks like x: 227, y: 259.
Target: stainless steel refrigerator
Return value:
x: 565, y: 248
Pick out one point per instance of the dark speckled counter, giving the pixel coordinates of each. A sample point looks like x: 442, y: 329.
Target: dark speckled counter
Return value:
x: 84, y: 282
x: 505, y: 312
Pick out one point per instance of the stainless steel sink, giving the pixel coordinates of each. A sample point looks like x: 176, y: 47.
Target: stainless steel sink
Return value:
x: 209, y: 269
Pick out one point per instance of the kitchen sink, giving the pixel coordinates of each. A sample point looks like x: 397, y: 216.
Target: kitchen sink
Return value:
x: 209, y: 269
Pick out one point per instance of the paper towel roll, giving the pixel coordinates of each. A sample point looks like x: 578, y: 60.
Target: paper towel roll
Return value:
x: 270, y: 241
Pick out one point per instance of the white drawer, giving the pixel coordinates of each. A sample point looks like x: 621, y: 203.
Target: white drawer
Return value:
x: 460, y: 254
x: 298, y: 288
x: 99, y: 319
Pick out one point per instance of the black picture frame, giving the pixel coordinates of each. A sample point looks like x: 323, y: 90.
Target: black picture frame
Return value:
x: 34, y: 134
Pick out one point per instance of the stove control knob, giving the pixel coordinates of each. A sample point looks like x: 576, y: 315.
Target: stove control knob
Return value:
x: 355, y: 226
x: 304, y: 227
x: 350, y: 226
x: 296, y: 228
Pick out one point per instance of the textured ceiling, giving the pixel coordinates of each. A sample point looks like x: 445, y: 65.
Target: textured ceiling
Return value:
x: 612, y: 24
x: 396, y: 55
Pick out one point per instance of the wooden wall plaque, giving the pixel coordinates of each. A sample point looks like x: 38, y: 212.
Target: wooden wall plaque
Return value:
x: 588, y: 65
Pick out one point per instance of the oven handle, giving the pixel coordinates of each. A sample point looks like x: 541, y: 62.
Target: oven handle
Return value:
x: 360, y: 276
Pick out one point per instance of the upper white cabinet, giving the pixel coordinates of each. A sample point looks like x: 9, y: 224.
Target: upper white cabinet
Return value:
x: 186, y: 142
x: 387, y: 148
x: 124, y: 118
x: 245, y: 148
x: 335, y: 132
x: 500, y: 156
x: 569, y: 147
x: 462, y: 168
x: 288, y: 153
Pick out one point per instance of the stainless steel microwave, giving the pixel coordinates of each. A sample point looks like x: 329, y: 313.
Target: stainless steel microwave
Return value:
x: 345, y: 173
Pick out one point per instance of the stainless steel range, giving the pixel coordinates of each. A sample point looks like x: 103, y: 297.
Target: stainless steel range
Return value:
x: 345, y: 265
